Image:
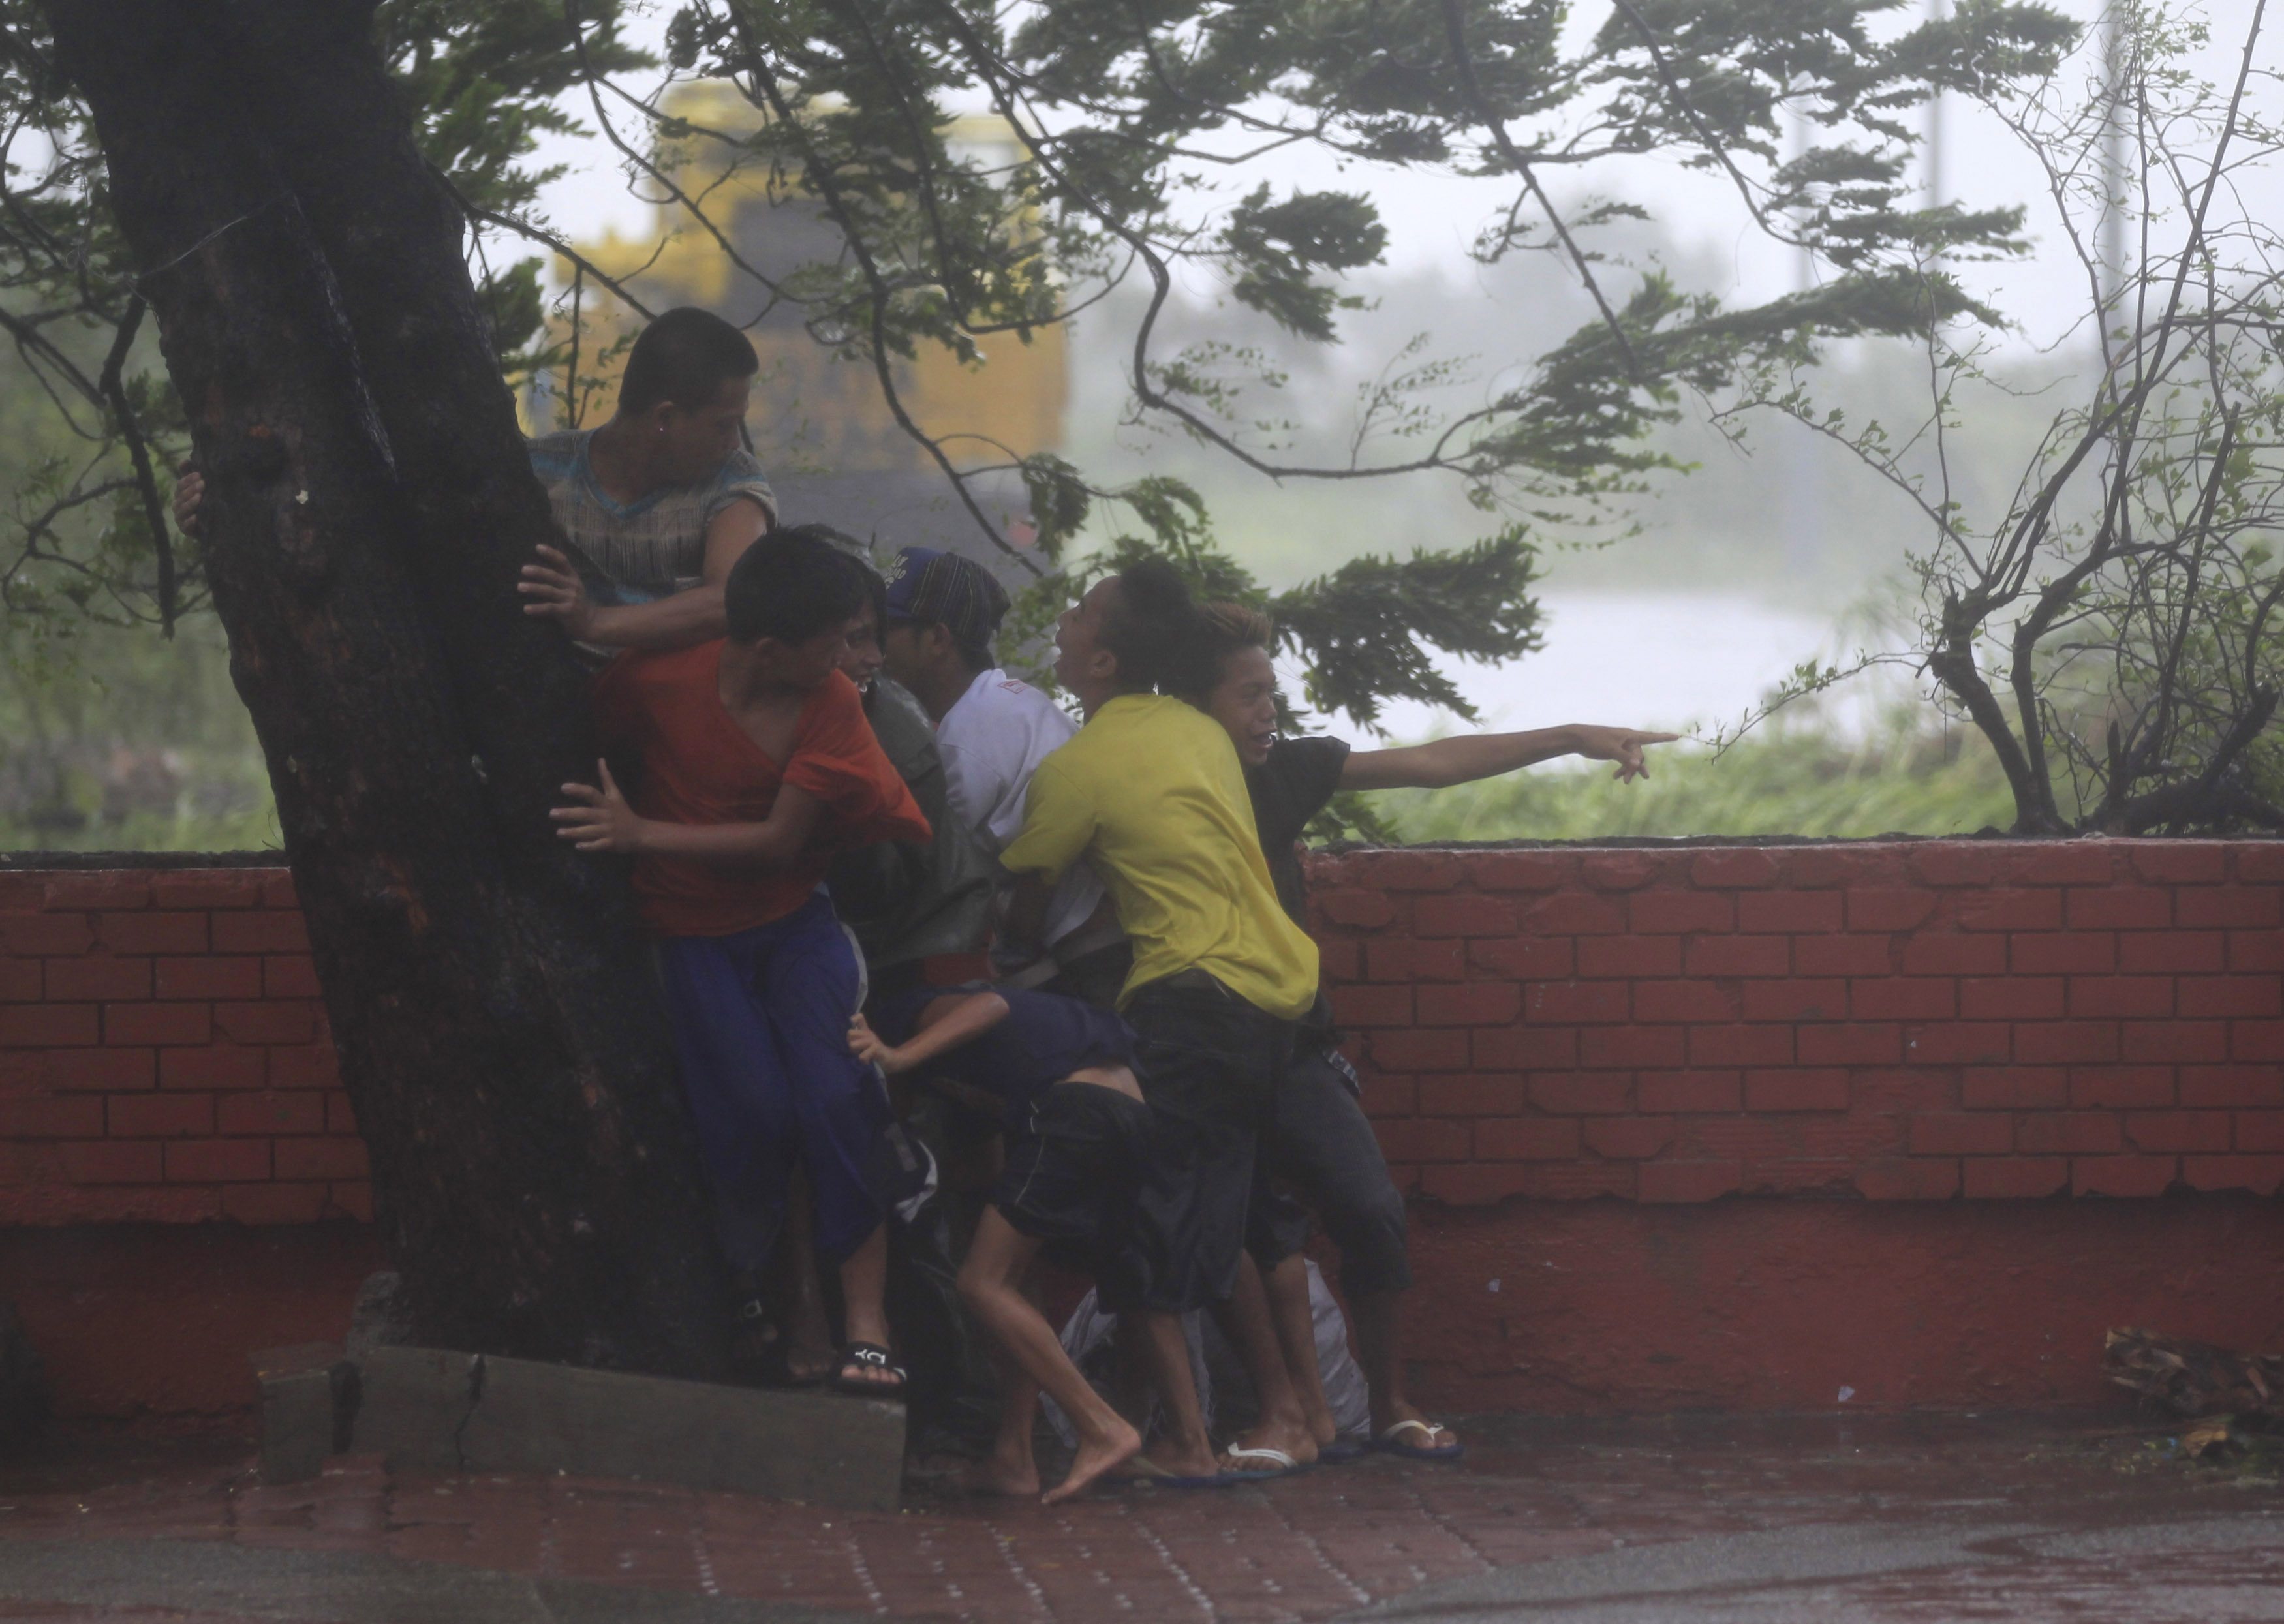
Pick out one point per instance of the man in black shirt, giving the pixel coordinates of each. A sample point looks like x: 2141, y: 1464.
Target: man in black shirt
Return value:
x: 1322, y: 1142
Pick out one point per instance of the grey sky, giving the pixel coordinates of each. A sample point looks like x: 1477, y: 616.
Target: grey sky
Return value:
x: 1432, y: 217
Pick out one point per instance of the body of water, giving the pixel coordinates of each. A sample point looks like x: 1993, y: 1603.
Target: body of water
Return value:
x: 1672, y: 661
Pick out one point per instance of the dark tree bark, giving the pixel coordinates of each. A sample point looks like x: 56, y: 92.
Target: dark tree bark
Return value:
x: 369, y: 500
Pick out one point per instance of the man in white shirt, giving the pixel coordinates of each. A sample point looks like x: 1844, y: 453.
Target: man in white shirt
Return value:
x: 992, y: 732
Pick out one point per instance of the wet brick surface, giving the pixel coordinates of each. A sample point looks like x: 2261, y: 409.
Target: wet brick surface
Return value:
x: 1317, y: 1546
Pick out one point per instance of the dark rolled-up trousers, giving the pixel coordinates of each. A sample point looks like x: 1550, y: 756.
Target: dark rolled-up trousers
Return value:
x: 1320, y: 1142
x: 1209, y: 1062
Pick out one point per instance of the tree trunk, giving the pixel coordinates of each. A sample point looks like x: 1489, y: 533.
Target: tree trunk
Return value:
x: 368, y: 500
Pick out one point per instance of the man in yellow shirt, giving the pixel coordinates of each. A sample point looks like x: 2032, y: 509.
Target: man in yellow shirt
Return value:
x: 1152, y: 794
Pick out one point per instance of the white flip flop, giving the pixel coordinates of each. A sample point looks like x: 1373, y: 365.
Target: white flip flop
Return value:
x: 1258, y: 1465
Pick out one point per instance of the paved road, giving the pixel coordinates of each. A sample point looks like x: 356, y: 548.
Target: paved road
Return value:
x: 1919, y: 1521
x: 2198, y: 1570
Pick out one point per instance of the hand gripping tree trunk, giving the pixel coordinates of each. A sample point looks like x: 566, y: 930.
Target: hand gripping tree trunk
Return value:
x: 498, y: 1031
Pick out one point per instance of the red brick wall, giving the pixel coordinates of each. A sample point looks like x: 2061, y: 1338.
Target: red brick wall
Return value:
x: 1896, y: 1022
x: 1931, y: 1031
x: 164, y: 1055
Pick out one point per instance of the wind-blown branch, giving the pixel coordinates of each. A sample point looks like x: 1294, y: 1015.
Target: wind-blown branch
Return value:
x: 122, y: 412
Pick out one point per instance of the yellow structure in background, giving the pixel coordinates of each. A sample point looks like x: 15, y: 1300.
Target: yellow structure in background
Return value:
x: 813, y: 413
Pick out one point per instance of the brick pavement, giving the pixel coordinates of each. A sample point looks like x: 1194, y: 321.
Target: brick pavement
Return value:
x: 1318, y: 1546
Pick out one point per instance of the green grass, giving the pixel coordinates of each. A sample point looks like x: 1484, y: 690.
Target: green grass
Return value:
x: 187, y: 828
x: 63, y: 720
x: 119, y: 739
x: 1801, y: 781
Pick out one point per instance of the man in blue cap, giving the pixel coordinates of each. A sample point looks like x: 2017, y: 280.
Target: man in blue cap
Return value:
x: 992, y: 732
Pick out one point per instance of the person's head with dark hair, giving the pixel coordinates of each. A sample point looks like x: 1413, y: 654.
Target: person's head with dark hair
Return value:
x: 687, y: 383
x: 1131, y: 633
x: 944, y: 612
x: 791, y: 600
x: 1225, y: 629
x: 683, y: 358
x: 1234, y: 680
x: 861, y: 656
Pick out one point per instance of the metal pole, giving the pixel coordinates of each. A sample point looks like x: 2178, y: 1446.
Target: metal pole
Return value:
x: 1937, y: 10
x: 2110, y: 245
x: 1800, y: 503
x: 1804, y: 269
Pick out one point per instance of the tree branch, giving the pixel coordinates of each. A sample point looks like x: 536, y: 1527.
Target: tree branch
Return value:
x: 154, y: 510
x: 828, y: 190
x: 611, y: 133
x: 1455, y: 31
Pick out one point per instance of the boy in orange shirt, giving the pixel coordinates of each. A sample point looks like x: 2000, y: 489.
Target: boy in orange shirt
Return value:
x: 755, y: 767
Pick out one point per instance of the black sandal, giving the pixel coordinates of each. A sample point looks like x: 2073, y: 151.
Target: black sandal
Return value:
x: 857, y: 1358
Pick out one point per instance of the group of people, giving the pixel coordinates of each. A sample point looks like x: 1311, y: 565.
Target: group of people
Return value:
x: 827, y: 785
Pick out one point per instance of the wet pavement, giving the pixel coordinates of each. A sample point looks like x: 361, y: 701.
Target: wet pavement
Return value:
x: 1913, y: 1519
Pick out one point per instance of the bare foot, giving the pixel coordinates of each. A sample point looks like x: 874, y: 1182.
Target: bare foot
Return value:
x: 753, y: 1342
x: 808, y: 1365
x: 994, y: 1476
x: 1095, y: 1458
x: 1176, y: 1462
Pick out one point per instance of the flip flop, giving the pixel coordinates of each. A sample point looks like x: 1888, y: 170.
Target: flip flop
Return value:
x: 1386, y: 1443
x: 1150, y: 1474
x: 1273, y: 1464
x: 858, y: 1357
x: 1341, y: 1450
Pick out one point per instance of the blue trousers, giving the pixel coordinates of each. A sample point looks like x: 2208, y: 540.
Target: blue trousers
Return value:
x: 761, y: 1026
